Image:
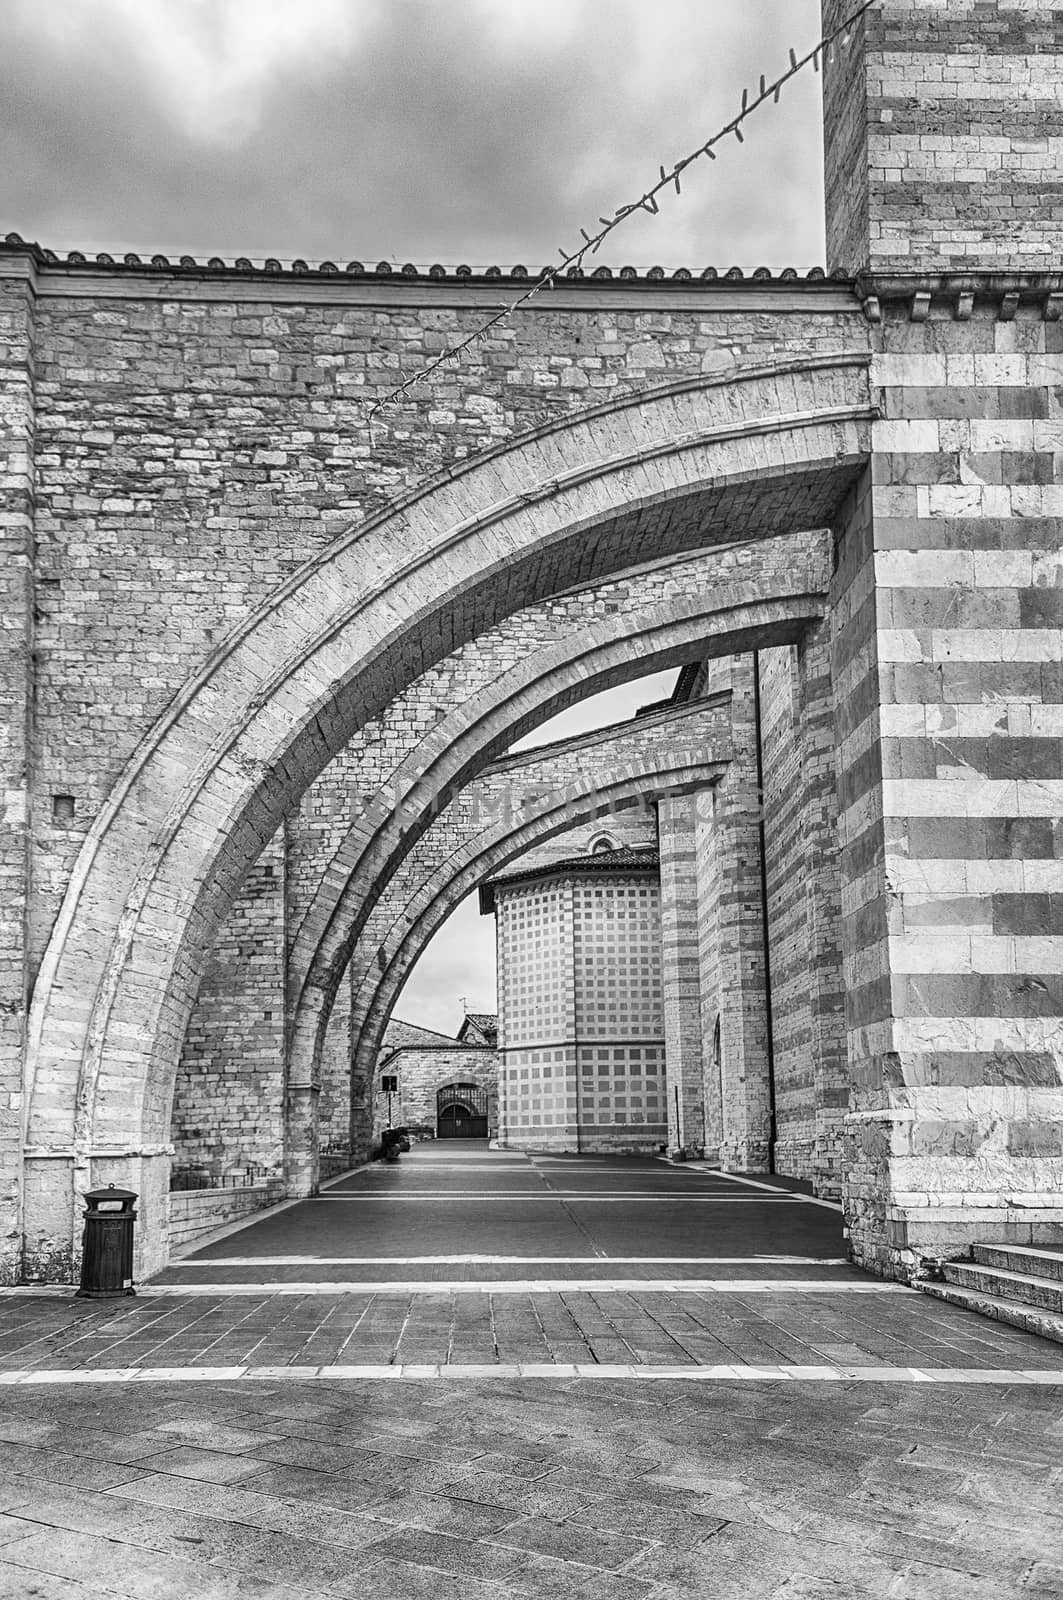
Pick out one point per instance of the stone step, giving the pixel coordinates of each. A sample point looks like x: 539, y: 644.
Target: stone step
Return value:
x: 1025, y: 1258
x: 1029, y: 1318
x: 1045, y: 1293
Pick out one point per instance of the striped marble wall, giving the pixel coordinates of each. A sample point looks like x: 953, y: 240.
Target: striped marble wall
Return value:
x: 948, y: 665
x: 943, y: 127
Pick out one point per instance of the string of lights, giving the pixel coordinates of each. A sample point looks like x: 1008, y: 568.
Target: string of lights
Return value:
x: 646, y: 202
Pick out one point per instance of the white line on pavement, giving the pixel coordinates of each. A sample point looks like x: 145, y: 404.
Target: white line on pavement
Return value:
x: 497, y: 1195
x: 540, y: 1286
x: 737, y: 1372
x: 752, y: 1183
x: 508, y: 1261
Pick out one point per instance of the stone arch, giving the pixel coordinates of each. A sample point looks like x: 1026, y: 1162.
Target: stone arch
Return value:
x: 762, y: 451
x: 685, y: 751
x: 724, y: 620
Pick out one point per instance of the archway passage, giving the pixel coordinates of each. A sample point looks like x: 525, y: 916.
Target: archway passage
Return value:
x: 712, y: 610
x: 675, y: 753
x: 461, y: 1111
x: 763, y: 451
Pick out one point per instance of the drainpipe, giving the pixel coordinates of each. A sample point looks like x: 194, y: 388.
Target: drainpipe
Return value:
x: 764, y: 913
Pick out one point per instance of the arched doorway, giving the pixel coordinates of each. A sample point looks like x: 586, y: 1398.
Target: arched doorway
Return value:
x: 461, y: 1111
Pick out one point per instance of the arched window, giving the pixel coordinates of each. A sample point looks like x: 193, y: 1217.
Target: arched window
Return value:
x: 601, y: 844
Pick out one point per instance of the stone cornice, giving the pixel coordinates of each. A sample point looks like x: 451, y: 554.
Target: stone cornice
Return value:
x: 185, y: 278
x: 959, y: 295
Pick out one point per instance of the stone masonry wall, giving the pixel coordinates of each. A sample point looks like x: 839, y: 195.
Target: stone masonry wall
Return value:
x: 17, y: 603
x: 424, y: 1070
x: 201, y: 434
x: 731, y: 936
x: 334, y: 1097
x: 229, y: 1100
x: 788, y: 913
x: 943, y: 136
x: 681, y: 971
x: 199, y: 437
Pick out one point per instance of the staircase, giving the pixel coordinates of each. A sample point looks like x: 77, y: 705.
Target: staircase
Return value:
x: 1019, y: 1284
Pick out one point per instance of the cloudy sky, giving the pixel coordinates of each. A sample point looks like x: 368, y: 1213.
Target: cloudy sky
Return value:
x: 452, y: 130
x: 425, y: 130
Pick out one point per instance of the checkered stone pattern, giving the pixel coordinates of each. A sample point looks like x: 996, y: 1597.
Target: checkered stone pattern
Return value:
x: 581, y: 1014
x: 948, y: 666
x: 944, y: 129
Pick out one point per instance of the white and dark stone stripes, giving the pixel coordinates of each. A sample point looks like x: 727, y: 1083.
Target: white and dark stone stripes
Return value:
x: 949, y: 671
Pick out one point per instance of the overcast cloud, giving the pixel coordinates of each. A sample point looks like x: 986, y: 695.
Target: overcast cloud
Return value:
x: 457, y: 130
x: 425, y: 130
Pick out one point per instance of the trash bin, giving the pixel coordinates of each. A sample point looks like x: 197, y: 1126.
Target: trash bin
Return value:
x: 107, y: 1243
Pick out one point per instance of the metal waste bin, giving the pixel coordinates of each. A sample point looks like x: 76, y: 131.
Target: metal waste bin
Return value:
x: 107, y: 1243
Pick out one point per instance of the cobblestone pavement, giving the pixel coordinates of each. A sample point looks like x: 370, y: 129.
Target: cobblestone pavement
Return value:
x: 283, y: 1416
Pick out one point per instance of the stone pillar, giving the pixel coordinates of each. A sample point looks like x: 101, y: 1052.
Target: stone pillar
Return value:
x: 731, y: 937
x: 16, y: 737
x: 941, y: 132
x: 334, y: 1103
x: 943, y: 187
x: 822, y: 875
x: 680, y: 972
x: 804, y: 915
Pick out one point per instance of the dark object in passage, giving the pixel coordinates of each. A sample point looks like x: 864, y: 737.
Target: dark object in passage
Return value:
x: 393, y: 1143
x: 107, y: 1243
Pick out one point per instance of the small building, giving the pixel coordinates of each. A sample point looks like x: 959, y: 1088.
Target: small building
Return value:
x: 580, y: 996
x: 479, y: 1028
x: 438, y: 1086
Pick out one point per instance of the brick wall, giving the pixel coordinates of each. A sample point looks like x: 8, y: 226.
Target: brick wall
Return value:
x: 943, y: 134
x: 17, y: 818
x: 228, y: 1112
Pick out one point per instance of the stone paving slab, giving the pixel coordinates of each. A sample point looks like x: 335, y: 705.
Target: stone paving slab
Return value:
x: 895, y: 1328
x: 292, y: 1490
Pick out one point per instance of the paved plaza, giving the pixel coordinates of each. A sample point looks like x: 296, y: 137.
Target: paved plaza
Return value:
x: 489, y: 1375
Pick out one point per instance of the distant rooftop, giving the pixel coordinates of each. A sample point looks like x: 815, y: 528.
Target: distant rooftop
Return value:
x: 625, y: 859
